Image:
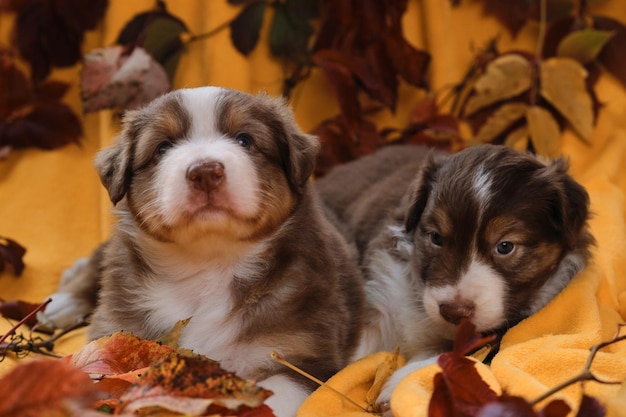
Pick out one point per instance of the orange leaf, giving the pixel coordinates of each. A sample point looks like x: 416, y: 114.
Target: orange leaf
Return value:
x: 45, y: 388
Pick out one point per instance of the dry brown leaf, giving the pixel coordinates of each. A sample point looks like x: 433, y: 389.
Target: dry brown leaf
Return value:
x: 383, y: 373
x: 544, y: 131
x: 563, y: 85
x: 518, y: 139
x: 505, y: 77
x: 500, y: 120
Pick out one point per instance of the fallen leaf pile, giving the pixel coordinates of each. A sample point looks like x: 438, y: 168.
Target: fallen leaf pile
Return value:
x: 128, y: 376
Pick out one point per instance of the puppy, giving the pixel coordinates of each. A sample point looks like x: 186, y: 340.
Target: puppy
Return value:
x: 218, y: 222
x: 487, y: 234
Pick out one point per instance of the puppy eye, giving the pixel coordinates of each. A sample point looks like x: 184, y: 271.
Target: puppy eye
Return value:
x: 504, y: 248
x: 244, y: 140
x: 436, y: 239
x: 163, y: 147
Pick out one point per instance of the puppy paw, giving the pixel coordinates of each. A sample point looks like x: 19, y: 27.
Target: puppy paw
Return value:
x: 74, y: 272
x: 384, y: 398
x: 63, y: 311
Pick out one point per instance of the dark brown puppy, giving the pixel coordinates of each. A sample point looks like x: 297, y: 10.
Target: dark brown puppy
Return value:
x: 487, y: 234
x: 217, y: 221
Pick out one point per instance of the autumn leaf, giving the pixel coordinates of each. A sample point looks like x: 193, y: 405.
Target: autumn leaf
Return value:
x: 563, y: 85
x: 158, y: 32
x: 500, y: 120
x: 112, y: 79
x: 188, y: 385
x: 458, y: 388
x: 505, y: 77
x: 11, y: 255
x: 246, y: 27
x: 46, y: 388
x: 117, y: 354
x: 583, y: 45
x: 544, y: 131
x: 50, y: 34
x: 33, y: 116
x: 18, y: 310
x: 518, y: 139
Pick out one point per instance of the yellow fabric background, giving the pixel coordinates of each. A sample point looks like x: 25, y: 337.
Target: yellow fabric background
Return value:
x: 53, y: 203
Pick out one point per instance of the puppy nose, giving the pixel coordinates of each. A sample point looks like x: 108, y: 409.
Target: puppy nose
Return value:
x: 454, y: 313
x: 206, y: 176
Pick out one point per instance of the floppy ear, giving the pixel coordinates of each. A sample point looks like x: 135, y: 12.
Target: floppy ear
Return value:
x: 571, y: 206
x: 299, y: 150
x: 420, y: 191
x: 114, y: 163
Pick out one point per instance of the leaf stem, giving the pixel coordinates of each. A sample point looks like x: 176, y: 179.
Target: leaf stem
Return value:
x: 24, y: 320
x: 542, y: 28
x: 291, y: 366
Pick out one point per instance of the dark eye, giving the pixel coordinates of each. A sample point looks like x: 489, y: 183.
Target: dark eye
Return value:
x: 163, y: 147
x: 436, y: 239
x: 244, y: 140
x: 504, y: 248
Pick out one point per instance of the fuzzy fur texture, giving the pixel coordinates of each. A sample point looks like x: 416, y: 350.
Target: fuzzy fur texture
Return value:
x: 217, y: 221
x: 487, y: 234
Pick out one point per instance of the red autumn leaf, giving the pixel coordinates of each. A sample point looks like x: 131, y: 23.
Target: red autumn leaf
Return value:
x: 46, y: 388
x: 458, y: 389
x: 613, y: 55
x: 117, y: 354
x: 410, y: 63
x: 342, y: 86
x: 46, y: 126
x: 18, y: 310
x: 590, y: 407
x: 50, y: 33
x: 11, y: 252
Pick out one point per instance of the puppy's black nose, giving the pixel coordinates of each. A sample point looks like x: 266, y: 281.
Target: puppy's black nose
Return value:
x: 206, y: 176
x: 454, y: 313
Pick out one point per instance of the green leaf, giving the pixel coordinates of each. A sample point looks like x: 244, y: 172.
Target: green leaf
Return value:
x: 583, y: 45
x: 162, y: 41
x: 303, y: 9
x: 289, y: 36
x: 245, y: 29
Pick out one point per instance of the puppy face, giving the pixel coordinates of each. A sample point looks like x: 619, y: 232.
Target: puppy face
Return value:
x: 208, y: 161
x: 491, y: 229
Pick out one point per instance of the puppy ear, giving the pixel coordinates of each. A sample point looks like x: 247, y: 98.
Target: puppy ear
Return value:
x: 114, y: 163
x: 420, y: 191
x: 299, y: 150
x: 570, y: 210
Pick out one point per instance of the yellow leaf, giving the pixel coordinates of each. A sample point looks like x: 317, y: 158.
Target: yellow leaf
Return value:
x: 505, y: 77
x: 563, y: 85
x: 544, y: 131
x: 518, y: 139
x: 383, y: 373
x: 500, y: 120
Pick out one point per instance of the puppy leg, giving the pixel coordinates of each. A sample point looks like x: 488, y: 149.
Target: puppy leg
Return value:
x: 288, y: 395
x: 77, y: 294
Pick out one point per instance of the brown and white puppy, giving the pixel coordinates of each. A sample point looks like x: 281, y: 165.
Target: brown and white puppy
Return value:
x: 218, y: 222
x: 487, y: 234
